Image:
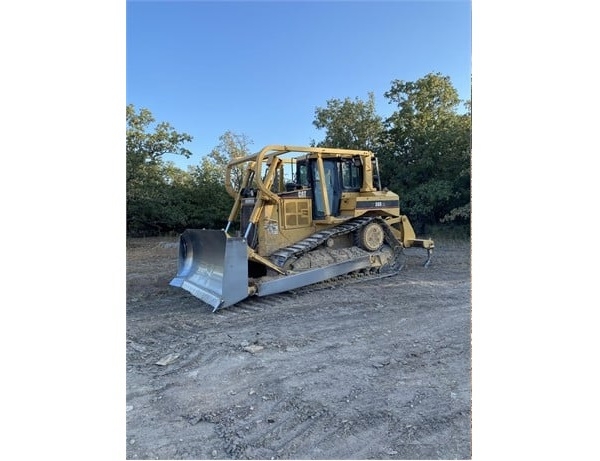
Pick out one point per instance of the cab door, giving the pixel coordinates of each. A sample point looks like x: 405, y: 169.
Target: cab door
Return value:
x: 331, y: 169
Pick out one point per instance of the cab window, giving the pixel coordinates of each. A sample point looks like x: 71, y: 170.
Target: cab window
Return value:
x: 351, y: 176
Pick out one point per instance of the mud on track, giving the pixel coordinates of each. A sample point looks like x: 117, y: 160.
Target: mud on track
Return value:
x: 377, y: 369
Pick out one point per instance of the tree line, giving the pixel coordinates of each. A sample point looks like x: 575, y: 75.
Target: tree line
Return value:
x: 423, y: 147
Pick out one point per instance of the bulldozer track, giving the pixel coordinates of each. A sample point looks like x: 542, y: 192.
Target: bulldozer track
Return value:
x: 283, y: 255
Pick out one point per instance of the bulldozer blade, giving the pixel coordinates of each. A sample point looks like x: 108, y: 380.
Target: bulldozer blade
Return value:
x: 213, y: 267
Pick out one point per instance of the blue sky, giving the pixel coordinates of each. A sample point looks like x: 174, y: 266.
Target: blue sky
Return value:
x: 261, y: 68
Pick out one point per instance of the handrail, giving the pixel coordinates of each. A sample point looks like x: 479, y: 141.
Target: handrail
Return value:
x: 275, y: 150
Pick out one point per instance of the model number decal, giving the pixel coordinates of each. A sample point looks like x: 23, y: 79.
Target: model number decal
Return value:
x: 377, y: 204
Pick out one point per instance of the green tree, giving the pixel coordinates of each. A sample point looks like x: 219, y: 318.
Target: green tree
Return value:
x: 231, y: 146
x: 154, y: 188
x: 426, y: 149
x: 214, y: 203
x: 145, y: 148
x: 211, y: 202
x: 349, y: 124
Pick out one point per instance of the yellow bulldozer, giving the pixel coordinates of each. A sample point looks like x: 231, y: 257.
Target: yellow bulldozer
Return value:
x: 328, y: 218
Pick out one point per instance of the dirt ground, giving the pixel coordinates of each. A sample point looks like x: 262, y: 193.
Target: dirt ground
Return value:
x: 375, y: 369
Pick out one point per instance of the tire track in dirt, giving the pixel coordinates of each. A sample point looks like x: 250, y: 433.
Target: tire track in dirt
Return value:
x: 373, y: 369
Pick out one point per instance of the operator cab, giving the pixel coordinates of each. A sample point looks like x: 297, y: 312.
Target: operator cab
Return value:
x: 339, y: 175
